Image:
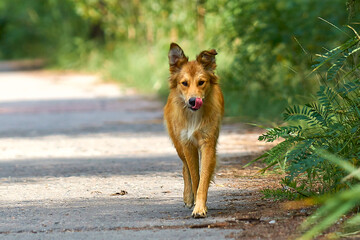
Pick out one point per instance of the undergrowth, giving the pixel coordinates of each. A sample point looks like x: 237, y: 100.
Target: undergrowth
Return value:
x: 331, y: 122
x: 321, y: 141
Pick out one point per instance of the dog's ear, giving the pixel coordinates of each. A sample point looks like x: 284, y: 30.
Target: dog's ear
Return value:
x: 177, y: 57
x: 207, y: 59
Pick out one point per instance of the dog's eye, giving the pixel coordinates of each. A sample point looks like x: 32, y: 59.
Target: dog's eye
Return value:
x: 201, y: 83
x: 184, y: 83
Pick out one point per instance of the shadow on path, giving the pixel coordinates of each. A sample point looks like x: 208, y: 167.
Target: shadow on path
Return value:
x: 102, y: 166
x: 80, y: 116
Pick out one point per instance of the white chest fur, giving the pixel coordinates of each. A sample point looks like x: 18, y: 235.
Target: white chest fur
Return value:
x: 193, y: 125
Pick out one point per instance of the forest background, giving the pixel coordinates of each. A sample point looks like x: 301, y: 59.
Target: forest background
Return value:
x: 266, y: 48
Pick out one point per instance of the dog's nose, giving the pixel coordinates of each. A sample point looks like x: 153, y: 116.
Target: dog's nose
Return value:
x: 192, y: 101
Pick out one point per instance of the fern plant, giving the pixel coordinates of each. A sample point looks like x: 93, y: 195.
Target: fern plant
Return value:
x: 331, y: 122
x: 336, y: 206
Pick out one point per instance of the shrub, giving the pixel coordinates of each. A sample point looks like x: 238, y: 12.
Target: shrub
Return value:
x: 331, y: 122
x: 273, y: 41
x: 337, y: 205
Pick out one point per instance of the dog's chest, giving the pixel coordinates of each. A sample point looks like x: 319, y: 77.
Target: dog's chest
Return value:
x: 192, y: 126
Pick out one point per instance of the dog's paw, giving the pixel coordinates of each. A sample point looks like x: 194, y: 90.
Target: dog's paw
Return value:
x: 199, y: 212
x: 188, y: 200
x: 188, y: 205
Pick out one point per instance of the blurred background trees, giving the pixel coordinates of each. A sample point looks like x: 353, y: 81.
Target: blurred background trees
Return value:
x: 266, y: 48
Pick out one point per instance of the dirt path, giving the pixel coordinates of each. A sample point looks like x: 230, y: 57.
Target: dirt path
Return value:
x: 81, y: 159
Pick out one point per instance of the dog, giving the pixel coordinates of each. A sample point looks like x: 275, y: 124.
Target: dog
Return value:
x: 193, y: 115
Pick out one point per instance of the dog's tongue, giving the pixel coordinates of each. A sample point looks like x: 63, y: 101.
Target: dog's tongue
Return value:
x: 198, y: 103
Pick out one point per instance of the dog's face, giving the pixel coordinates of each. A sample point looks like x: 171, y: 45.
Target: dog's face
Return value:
x: 192, y: 79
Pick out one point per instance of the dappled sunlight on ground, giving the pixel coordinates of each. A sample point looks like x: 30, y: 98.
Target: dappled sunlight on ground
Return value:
x: 80, y: 156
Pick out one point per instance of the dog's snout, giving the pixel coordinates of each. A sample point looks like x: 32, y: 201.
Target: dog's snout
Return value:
x: 192, y: 101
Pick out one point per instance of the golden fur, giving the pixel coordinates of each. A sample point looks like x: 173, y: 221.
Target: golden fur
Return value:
x: 194, y: 132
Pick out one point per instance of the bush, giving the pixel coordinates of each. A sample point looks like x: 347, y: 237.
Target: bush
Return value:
x: 332, y: 122
x: 270, y: 40
x: 337, y: 205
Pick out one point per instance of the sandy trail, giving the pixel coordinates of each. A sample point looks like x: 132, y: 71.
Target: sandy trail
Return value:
x: 71, y: 146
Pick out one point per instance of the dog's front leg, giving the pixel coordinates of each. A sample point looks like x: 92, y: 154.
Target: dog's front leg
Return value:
x: 188, y: 192
x: 192, y: 160
x: 208, y: 163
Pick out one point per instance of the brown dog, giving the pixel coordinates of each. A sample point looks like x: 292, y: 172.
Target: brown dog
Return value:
x: 193, y: 115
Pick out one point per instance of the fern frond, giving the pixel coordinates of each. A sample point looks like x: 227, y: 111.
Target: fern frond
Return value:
x: 302, y: 113
x: 349, y: 87
x: 284, y: 132
x: 276, y: 155
x: 327, y: 98
x: 307, y: 164
x: 334, y: 54
x: 334, y: 69
x: 320, y: 113
x: 298, y: 157
x: 339, y: 62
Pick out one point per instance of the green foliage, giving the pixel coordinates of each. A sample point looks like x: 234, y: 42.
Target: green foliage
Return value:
x: 137, y: 75
x: 271, y: 39
x: 290, y: 190
x: 39, y: 28
x: 332, y: 122
x: 260, y: 43
x: 279, y: 194
x: 337, y: 205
